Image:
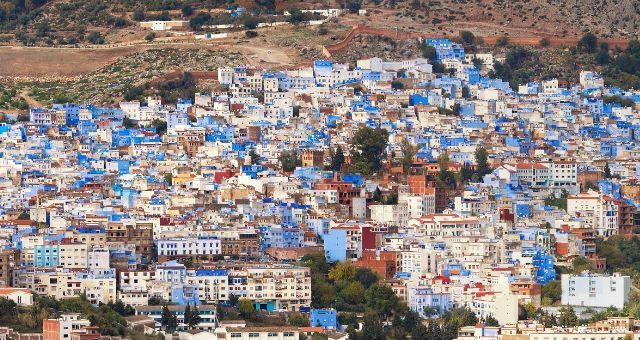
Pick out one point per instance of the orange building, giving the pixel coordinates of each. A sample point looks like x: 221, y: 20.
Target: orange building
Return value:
x: 384, y: 263
x: 51, y: 329
x: 346, y: 190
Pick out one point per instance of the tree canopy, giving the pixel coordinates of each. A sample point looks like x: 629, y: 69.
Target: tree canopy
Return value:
x: 368, y: 149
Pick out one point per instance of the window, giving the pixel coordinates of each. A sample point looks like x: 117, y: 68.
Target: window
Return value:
x: 236, y: 335
x: 254, y: 335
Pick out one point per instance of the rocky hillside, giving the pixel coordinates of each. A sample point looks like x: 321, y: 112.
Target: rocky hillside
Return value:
x: 608, y: 18
x: 46, y: 22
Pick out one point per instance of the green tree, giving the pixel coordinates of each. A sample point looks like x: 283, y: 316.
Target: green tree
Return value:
x: 434, y: 331
x: 317, y: 262
x: 445, y: 176
x: 588, y: 43
x: 296, y: 16
x: 353, y: 293
x: 337, y: 159
x: 120, y: 22
x: 298, y: 320
x: 409, y: 152
x: 490, y: 321
x: 366, y: 277
x: 602, y: 57
x: 615, y: 99
x: 194, y: 318
x: 129, y: 123
x: 467, y: 37
x: 381, y: 299
x: 233, y: 299
x: 160, y: 126
x: 323, y: 294
x: 250, y: 22
x: 544, y: 42
x: 255, y: 158
x: 342, y: 271
x: 568, y: 317
x: 199, y: 20
x: 420, y: 332
x: 551, y: 292
x: 353, y: 5
x: 460, y: 317
x: 482, y: 164
x: 187, y: 11
x: 377, y: 195
x: 368, y: 147
x: 607, y: 170
x: 372, y: 327
x: 289, y: 160
x: 560, y: 202
x: 397, y: 85
x: 581, y: 264
x: 138, y: 14
x: 428, y: 52
x: 95, y: 38
x: 168, y: 319
x: 548, y: 320
x: 246, y: 309
x: 502, y: 41
x: 529, y: 311
x: 466, y: 172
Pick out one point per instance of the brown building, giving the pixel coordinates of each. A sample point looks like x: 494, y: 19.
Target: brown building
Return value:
x: 247, y: 244
x: 254, y: 133
x: 589, y: 179
x: 8, y: 259
x: 140, y: 234
x: 628, y: 218
x: 313, y: 158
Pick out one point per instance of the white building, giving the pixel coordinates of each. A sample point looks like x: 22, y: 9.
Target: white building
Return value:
x: 189, y: 246
x: 396, y: 214
x: 599, y: 212
x: 594, y: 290
x: 21, y: 296
x: 419, y: 205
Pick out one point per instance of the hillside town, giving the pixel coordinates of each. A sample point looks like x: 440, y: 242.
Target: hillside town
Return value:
x: 375, y: 200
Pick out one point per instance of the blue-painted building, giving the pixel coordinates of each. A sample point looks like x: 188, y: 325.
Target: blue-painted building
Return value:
x: 335, y: 245
x: 325, y: 318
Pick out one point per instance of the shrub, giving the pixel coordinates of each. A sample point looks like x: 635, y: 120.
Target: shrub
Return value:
x: 138, y: 14
x: 466, y: 37
x: 95, y: 38
x: 120, y: 22
x: 187, y: 11
x: 250, y: 23
x: 502, y: 41
x: 251, y: 34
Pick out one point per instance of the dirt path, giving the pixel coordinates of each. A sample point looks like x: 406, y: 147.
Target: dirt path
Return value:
x: 32, y: 102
